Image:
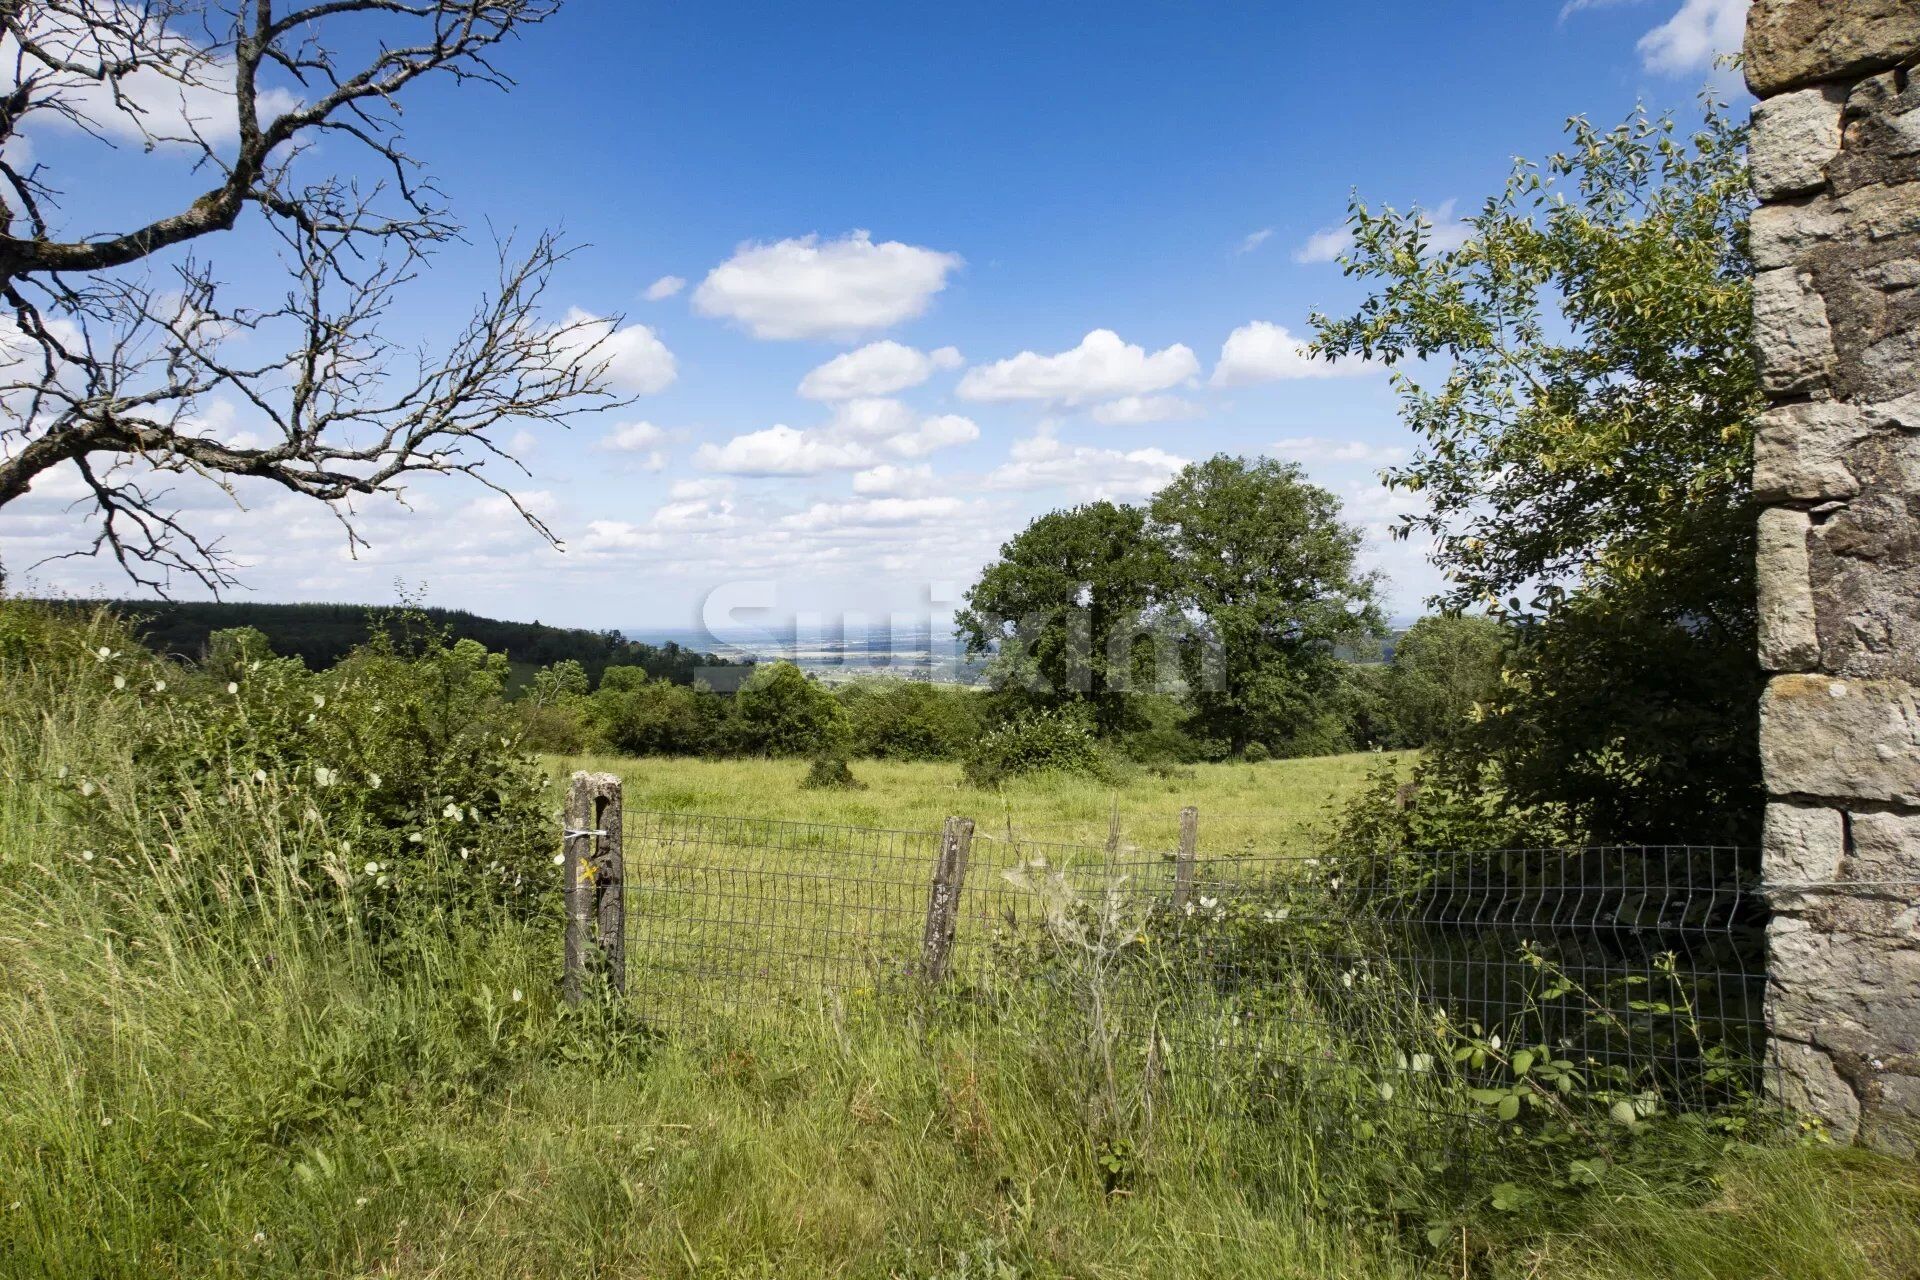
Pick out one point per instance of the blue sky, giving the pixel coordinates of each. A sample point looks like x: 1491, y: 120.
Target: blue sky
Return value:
x: 1051, y: 251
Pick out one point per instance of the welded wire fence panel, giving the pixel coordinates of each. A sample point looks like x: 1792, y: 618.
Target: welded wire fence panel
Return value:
x: 1414, y: 978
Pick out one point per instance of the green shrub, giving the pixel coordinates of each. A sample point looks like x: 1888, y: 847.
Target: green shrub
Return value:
x: 399, y: 772
x: 641, y: 717
x: 780, y: 711
x: 831, y: 772
x: 1257, y: 753
x: 894, y: 719
x: 1041, y: 742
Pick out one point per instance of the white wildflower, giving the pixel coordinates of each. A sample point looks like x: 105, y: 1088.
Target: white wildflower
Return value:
x: 372, y: 867
x: 259, y: 775
x: 159, y: 686
x: 451, y: 811
x: 558, y: 859
x: 102, y: 653
x: 86, y: 855
x: 517, y: 996
x: 119, y: 682
x: 319, y: 699
x: 414, y: 837
x: 373, y: 780
x: 233, y: 686
x: 323, y: 775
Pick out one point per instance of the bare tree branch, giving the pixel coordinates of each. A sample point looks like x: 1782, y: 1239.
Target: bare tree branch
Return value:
x: 105, y: 370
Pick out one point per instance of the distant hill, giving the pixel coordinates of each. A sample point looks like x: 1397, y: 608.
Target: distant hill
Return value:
x: 322, y: 634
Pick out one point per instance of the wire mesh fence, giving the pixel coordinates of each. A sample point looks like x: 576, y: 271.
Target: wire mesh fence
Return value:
x: 1638, y: 971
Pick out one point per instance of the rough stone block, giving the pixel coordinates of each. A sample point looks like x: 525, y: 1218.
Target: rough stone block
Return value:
x: 1881, y: 134
x: 1794, y: 136
x: 1867, y: 274
x: 1803, y: 843
x: 1789, y: 640
x: 1808, y: 1083
x: 1825, y: 737
x: 1787, y: 235
x: 1801, y: 452
x: 1885, y: 845
x: 1864, y: 564
x: 1797, y: 42
x: 1790, y: 331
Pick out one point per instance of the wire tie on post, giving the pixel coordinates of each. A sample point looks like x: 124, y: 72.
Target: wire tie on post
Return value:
x: 569, y: 833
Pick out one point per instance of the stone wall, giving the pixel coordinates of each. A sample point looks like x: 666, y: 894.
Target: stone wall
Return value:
x: 1836, y: 163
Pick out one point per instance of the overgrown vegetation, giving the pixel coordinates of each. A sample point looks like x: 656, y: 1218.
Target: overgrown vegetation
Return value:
x: 1586, y: 479
x: 220, y: 1060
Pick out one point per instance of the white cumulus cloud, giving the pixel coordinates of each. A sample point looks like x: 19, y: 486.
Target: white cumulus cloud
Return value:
x: 891, y: 480
x: 1044, y: 461
x: 1323, y: 449
x: 1266, y: 352
x: 633, y: 437
x: 781, y: 450
x: 635, y: 359
x: 1133, y: 411
x: 861, y: 434
x: 1692, y: 38
x: 877, y: 369
x: 807, y: 288
x: 665, y: 287
x: 1102, y: 367
x: 1255, y: 239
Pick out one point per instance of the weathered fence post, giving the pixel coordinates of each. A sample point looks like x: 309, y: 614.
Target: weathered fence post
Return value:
x: 594, y: 877
x: 943, y: 898
x: 1183, y: 862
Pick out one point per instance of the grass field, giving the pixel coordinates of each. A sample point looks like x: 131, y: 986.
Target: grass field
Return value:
x: 1269, y: 808
x: 209, y: 1070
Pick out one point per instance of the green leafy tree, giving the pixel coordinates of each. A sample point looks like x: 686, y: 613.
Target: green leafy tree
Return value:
x: 891, y: 719
x: 780, y: 711
x: 1443, y: 668
x: 643, y: 717
x: 1261, y: 563
x: 1065, y: 611
x: 1581, y: 372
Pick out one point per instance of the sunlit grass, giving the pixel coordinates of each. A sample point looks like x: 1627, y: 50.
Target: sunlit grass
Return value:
x: 1274, y: 807
x: 246, y: 1088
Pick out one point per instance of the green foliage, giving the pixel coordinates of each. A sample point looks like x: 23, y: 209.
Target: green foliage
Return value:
x: 322, y: 634
x: 781, y: 711
x: 1256, y: 753
x: 830, y: 771
x: 892, y: 719
x: 1037, y: 742
x: 1445, y: 670
x: 638, y: 716
x: 211, y: 1069
x: 1589, y: 439
x: 1065, y: 610
x: 1262, y: 559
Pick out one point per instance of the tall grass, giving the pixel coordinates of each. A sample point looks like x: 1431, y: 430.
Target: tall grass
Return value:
x: 207, y: 1068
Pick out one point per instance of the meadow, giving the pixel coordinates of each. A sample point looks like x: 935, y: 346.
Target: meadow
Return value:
x: 1274, y: 807
x: 211, y: 1065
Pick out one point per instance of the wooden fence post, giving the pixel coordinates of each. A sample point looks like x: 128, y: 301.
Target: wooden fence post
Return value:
x: 593, y: 875
x: 943, y: 898
x: 1183, y: 862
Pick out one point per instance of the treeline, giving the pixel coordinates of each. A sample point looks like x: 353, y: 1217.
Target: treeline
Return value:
x: 1439, y: 669
x: 322, y: 635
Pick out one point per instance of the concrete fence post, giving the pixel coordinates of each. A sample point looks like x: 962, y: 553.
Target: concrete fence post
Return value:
x: 1183, y: 861
x: 1837, y: 338
x: 593, y: 874
x: 943, y: 898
